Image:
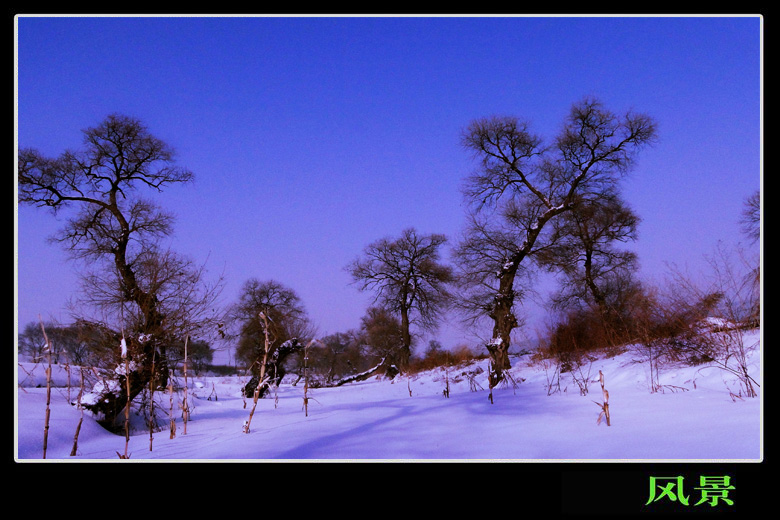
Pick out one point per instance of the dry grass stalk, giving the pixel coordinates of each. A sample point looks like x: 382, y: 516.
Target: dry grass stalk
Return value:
x: 66, y: 366
x: 256, y: 398
x: 604, y: 414
x: 81, y: 418
x: 170, y: 413
x: 306, y: 379
x: 581, y: 379
x: 491, y: 371
x: 261, y: 379
x: 243, y: 396
x: 554, y: 381
x: 473, y: 384
x: 48, y: 391
x: 151, y: 405
x: 735, y: 358
x: 306, y: 375
x: 129, y: 402
x: 185, y: 405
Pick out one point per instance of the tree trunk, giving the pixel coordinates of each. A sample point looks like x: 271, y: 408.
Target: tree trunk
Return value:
x: 504, y: 322
x: 504, y: 319
x: 406, y: 337
x: 148, y: 365
x: 378, y: 369
x: 108, y: 401
x: 143, y: 346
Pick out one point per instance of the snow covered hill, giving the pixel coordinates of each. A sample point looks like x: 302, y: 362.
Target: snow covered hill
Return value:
x: 698, y: 416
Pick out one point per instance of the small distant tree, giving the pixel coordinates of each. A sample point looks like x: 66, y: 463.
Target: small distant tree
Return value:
x: 71, y: 343
x: 751, y: 217
x: 384, y: 335
x: 409, y: 279
x: 97, y: 343
x: 751, y: 227
x: 434, y: 348
x: 31, y: 341
x: 434, y: 355
x: 199, y: 354
x: 272, y: 324
x: 338, y: 355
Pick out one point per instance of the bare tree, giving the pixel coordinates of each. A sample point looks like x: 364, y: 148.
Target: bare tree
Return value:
x: 115, y: 230
x: 597, y: 281
x: 526, y: 185
x: 583, y: 250
x: 32, y: 342
x: 408, y: 278
x: 183, y: 295
x: 751, y: 217
x: 481, y: 256
x: 337, y: 355
x: 272, y: 324
x: 751, y: 226
x: 384, y: 336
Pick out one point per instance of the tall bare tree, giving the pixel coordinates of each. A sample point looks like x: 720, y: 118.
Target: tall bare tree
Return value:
x: 409, y: 279
x: 523, y: 185
x: 112, y: 228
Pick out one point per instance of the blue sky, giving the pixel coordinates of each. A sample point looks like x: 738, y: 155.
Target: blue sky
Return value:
x: 311, y: 137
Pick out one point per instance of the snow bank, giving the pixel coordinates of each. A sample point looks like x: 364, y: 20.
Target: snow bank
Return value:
x: 697, y: 417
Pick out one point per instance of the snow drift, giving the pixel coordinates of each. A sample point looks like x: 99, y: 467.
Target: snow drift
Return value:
x: 699, y: 416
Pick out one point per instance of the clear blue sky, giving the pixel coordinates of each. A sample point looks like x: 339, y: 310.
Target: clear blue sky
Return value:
x: 312, y: 137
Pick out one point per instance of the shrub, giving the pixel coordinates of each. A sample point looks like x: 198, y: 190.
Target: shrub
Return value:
x: 439, y: 357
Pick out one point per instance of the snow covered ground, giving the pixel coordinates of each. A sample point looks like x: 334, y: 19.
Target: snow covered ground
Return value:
x: 696, y: 418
